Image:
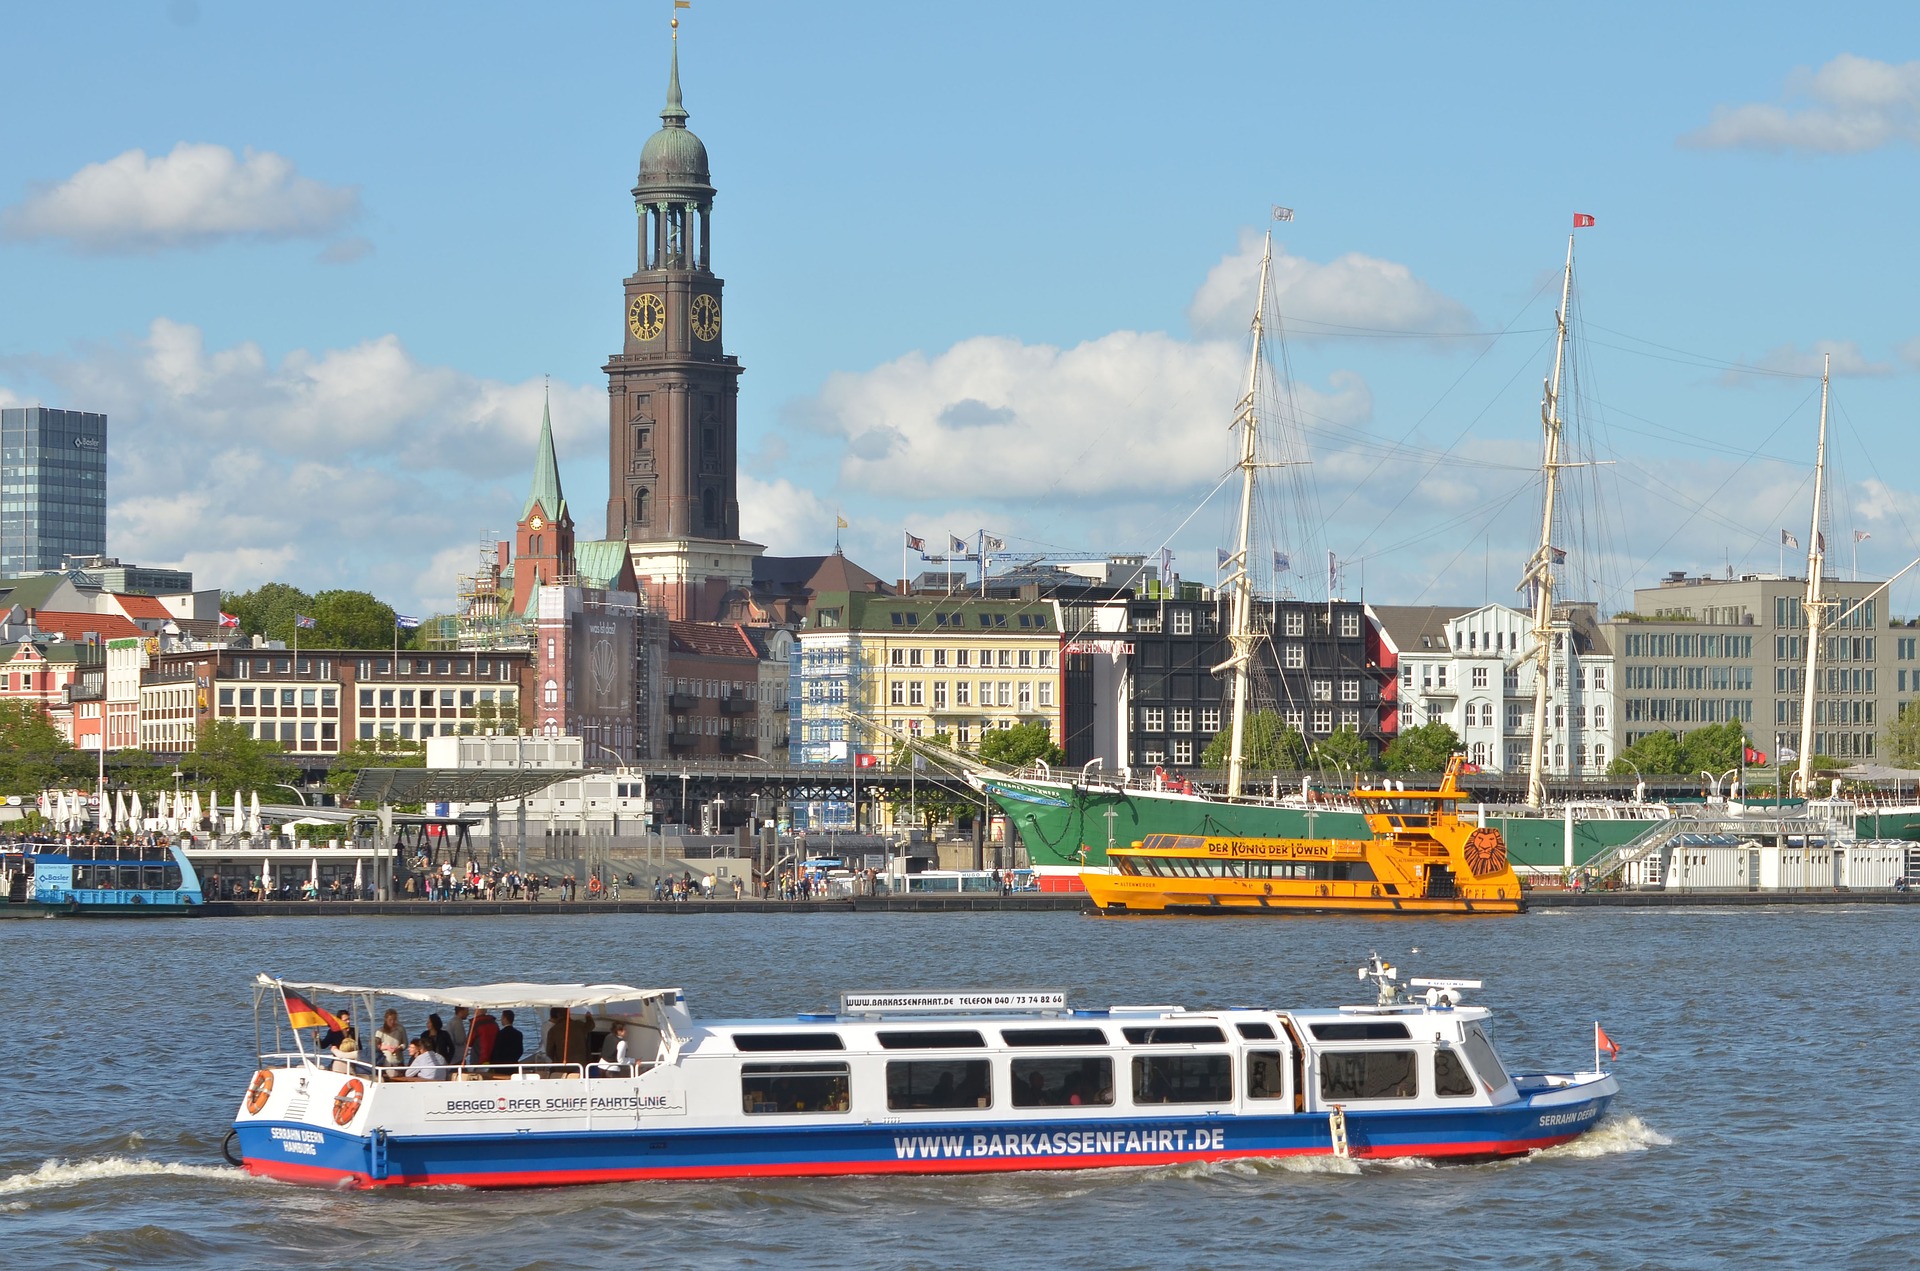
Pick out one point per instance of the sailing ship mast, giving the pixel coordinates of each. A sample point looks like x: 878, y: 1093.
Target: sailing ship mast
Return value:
x: 1813, y: 606
x: 1241, y: 636
x: 1540, y: 569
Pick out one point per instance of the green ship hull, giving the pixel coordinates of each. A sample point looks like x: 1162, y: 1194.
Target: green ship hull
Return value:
x: 1056, y: 821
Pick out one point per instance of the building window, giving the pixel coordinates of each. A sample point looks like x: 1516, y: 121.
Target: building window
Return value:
x: 549, y: 696
x: 963, y: 692
x: 1183, y: 719
x: 1479, y: 677
x: 1003, y: 694
x: 1349, y: 625
x: 1349, y: 690
x: 1296, y: 623
x: 1323, y: 690
x: 1323, y: 721
x: 1296, y: 657
x: 1183, y: 622
x: 1209, y: 719
x: 939, y: 695
x: 917, y: 693
x: 1153, y: 719
x: 1350, y: 721
x: 1026, y: 695
x: 1046, y: 694
x: 1183, y: 752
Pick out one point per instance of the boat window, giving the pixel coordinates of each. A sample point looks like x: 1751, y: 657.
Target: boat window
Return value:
x: 1053, y: 1037
x: 1182, y: 1079
x: 774, y: 1088
x: 1256, y: 1031
x: 129, y: 877
x: 173, y: 879
x: 1368, y: 1074
x: 1264, y: 1075
x: 1450, y: 1077
x: 1060, y: 1083
x: 1125, y: 864
x: 932, y: 1039
x: 938, y: 1083
x: 1363, y: 1031
x: 787, y: 1041
x: 1485, y: 1062
x: 1174, y: 1035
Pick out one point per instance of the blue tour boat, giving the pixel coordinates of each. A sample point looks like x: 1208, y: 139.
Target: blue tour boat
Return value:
x: 121, y: 880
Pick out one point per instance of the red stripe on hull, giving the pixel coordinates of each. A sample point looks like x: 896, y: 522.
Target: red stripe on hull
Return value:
x: 289, y: 1172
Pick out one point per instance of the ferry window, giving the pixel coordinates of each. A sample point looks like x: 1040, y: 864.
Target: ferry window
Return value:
x: 171, y: 877
x: 1485, y: 1062
x: 787, y: 1041
x: 1368, y: 1074
x: 1053, y: 1037
x: 129, y: 879
x: 153, y: 877
x: 1182, y: 1079
x: 932, y: 1039
x: 1174, y: 1035
x: 1450, y: 1077
x: 938, y: 1083
x: 775, y: 1088
x: 1367, y: 1031
x: 1266, y: 1079
x: 1256, y: 1031
x: 1061, y: 1083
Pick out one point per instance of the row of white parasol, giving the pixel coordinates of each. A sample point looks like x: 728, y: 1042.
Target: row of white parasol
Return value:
x: 174, y: 812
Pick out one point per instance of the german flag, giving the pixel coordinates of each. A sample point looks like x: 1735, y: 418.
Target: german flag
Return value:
x: 304, y: 1014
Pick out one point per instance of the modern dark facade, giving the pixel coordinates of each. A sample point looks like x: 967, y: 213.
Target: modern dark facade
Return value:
x: 1319, y: 669
x: 53, y: 495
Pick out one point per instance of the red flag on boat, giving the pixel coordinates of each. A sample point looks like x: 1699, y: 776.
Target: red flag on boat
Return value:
x: 1581, y: 220
x: 1756, y: 756
x: 1604, y: 1044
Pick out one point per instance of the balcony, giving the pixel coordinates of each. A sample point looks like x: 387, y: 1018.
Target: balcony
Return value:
x: 683, y: 741
x: 736, y: 706
x: 682, y: 702
x: 731, y: 745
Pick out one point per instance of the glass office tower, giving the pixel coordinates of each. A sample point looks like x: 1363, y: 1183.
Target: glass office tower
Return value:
x: 53, y: 487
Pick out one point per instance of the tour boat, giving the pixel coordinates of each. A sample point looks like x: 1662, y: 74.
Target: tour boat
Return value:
x: 122, y: 880
x: 902, y: 1083
x: 1421, y: 859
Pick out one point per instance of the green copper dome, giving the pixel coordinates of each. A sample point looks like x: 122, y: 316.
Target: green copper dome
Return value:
x: 673, y: 158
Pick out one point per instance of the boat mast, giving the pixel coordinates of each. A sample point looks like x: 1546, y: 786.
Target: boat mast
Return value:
x: 1812, y: 605
x: 1541, y: 572
x: 1240, y: 634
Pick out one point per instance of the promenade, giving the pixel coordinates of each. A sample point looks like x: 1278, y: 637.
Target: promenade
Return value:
x: 1035, y: 903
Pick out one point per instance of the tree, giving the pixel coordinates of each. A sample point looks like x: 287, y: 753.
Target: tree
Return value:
x: 1714, y: 748
x: 1268, y: 745
x: 33, y: 754
x: 137, y: 769
x: 933, y: 803
x: 1344, y: 749
x: 1020, y: 745
x: 1654, y: 754
x: 349, y: 620
x: 1901, y: 743
x: 227, y: 759
x: 373, y: 752
x: 268, y: 610
x: 1423, y: 749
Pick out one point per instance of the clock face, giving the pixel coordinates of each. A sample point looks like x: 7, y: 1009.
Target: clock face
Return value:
x: 536, y: 522
x: 706, y: 317
x: 646, y: 317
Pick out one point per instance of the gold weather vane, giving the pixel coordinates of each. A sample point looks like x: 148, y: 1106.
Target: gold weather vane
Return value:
x: 679, y: 4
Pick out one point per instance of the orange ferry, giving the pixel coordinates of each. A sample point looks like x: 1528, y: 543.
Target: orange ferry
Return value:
x: 1422, y: 859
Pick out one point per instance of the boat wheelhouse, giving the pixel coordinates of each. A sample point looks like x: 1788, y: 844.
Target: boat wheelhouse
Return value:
x: 902, y: 1083
x: 1422, y: 858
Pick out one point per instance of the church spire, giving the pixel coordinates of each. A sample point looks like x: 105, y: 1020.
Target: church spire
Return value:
x: 675, y: 115
x: 546, y: 471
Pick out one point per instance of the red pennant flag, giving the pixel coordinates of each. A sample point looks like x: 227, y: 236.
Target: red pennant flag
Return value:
x: 304, y: 1014
x: 1604, y: 1043
x: 1581, y: 220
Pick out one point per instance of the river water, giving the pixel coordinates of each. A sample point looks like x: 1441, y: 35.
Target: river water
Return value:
x: 1768, y: 1113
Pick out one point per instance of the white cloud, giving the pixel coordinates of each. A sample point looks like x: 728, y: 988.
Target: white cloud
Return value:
x: 1130, y: 411
x: 195, y: 195
x: 1791, y: 359
x: 1354, y: 291
x: 790, y: 520
x: 355, y: 467
x: 1850, y: 105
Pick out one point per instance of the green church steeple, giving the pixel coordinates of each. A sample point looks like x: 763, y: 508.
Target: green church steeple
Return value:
x: 546, y: 472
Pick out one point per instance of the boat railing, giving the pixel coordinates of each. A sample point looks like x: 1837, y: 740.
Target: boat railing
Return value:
x: 530, y: 1070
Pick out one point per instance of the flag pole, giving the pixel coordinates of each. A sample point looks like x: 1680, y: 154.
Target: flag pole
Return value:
x: 1596, y: 1045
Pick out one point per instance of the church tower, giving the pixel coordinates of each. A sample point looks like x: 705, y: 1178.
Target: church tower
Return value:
x: 673, y: 390
x: 543, y: 540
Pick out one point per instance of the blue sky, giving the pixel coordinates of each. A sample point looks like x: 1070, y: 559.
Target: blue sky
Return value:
x: 982, y: 266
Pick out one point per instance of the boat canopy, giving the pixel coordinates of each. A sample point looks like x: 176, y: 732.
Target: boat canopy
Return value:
x: 491, y: 996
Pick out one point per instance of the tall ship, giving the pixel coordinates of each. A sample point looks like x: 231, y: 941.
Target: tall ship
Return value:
x: 1069, y: 822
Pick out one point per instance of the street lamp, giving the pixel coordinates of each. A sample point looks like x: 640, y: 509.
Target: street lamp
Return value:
x: 281, y: 785
x: 1639, y: 782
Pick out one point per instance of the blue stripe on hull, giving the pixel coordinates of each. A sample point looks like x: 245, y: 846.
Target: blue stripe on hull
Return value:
x: 307, y: 1153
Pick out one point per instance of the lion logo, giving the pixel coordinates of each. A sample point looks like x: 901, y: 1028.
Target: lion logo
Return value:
x: 1486, y: 852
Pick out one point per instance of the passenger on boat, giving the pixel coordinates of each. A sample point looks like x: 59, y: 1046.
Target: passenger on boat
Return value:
x: 614, y: 1058
x: 438, y: 1039
x: 510, y: 1046
x: 481, y: 1040
x: 426, y: 1065
x: 391, y: 1040
x: 458, y: 1031
x: 347, y: 1052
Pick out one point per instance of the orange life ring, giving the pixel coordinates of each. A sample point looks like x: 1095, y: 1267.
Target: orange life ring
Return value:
x: 257, y: 1092
x: 346, y: 1104
x: 593, y: 886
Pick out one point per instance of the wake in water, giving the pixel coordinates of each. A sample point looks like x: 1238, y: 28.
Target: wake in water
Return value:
x: 1611, y: 1137
x: 56, y: 1174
